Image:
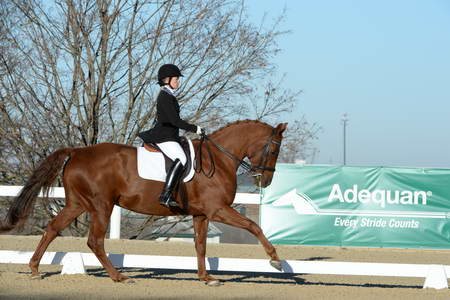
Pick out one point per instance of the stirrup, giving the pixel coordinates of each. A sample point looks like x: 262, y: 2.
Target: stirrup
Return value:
x: 169, y: 203
x: 167, y: 200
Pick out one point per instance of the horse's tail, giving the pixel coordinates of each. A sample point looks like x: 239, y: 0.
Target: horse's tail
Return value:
x: 42, y: 178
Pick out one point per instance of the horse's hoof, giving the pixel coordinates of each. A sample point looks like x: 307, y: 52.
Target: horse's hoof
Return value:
x: 36, y: 277
x: 276, y: 264
x: 128, y: 281
x: 125, y: 279
x: 213, y: 283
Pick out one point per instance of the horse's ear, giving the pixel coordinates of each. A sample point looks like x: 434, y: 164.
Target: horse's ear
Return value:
x: 281, y: 127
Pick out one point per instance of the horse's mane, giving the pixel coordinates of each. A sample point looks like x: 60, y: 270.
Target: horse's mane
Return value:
x: 241, y: 122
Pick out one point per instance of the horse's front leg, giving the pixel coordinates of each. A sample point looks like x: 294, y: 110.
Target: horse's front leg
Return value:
x: 229, y: 216
x: 201, y: 233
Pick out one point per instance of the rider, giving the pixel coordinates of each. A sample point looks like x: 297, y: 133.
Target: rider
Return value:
x: 165, y: 133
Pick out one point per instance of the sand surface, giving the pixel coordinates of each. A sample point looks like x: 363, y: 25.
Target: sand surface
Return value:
x: 173, y: 284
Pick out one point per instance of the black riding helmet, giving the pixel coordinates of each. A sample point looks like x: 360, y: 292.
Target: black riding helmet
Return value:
x: 168, y: 70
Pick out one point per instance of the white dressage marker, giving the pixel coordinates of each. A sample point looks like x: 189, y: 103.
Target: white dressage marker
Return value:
x: 436, y: 277
x: 73, y: 263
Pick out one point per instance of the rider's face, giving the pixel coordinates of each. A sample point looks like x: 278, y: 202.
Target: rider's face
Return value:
x: 174, y: 82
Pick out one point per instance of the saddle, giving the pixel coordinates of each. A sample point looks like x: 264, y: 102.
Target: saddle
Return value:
x: 153, y: 164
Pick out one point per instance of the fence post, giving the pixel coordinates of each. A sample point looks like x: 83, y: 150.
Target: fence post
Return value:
x: 114, y: 225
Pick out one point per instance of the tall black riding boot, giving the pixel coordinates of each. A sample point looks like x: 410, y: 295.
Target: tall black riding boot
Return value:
x: 173, y: 176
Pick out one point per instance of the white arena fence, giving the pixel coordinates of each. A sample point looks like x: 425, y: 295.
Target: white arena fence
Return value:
x: 74, y: 262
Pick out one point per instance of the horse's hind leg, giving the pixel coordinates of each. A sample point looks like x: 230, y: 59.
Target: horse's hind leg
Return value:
x: 57, y: 224
x: 229, y: 216
x: 96, y: 239
x: 201, y: 231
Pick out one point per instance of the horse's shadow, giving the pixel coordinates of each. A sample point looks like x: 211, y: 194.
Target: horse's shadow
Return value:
x: 240, y: 277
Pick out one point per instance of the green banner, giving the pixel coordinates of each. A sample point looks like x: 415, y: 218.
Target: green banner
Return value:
x: 358, y: 206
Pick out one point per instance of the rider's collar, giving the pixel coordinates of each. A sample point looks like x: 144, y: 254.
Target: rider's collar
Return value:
x: 168, y: 90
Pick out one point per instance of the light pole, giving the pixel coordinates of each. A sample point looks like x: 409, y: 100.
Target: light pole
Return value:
x: 344, y: 120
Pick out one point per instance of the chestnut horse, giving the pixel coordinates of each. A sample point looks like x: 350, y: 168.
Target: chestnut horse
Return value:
x: 97, y: 177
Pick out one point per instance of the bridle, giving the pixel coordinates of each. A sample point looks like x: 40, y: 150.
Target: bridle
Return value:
x: 245, y: 165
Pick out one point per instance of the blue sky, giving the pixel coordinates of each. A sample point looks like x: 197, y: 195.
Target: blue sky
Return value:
x: 385, y: 63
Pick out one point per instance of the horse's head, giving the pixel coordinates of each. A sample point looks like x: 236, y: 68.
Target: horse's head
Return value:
x: 264, y: 153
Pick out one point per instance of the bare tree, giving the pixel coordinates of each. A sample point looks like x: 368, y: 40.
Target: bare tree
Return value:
x: 297, y: 141
x: 271, y: 102
x: 10, y: 64
x: 80, y: 72
x: 90, y: 68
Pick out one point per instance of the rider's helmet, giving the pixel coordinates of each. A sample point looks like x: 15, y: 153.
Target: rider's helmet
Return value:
x: 168, y: 70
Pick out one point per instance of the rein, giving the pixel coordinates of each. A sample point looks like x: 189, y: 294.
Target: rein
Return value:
x: 246, y: 166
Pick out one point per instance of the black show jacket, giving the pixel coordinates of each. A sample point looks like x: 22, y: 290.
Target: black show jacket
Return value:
x: 168, y: 121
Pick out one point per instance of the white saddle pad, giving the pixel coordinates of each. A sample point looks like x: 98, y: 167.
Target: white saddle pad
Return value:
x: 151, y: 165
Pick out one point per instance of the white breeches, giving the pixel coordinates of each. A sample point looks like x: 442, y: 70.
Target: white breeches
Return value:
x: 173, y: 150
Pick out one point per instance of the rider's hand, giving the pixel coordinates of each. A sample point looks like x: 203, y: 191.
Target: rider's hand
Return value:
x: 200, y: 131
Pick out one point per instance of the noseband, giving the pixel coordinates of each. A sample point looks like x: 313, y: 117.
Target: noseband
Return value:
x: 245, y: 165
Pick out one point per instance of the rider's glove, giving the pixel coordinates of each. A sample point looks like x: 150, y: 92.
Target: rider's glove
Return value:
x: 200, y: 131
